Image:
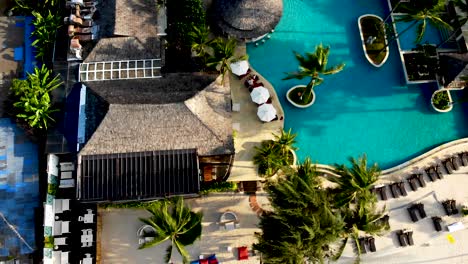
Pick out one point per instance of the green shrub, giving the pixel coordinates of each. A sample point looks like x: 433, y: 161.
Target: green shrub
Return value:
x: 441, y: 100
x: 211, y: 187
x: 49, y: 242
x: 52, y: 189
x: 128, y: 205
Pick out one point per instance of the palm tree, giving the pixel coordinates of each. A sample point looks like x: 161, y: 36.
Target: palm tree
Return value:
x: 313, y: 65
x: 200, y: 40
x: 354, y: 182
x: 302, y: 223
x: 33, y: 101
x: 223, y: 55
x: 173, y: 220
x: 285, y: 144
x: 267, y: 158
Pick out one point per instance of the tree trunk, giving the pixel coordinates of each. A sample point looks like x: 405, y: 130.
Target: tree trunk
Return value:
x: 308, y: 90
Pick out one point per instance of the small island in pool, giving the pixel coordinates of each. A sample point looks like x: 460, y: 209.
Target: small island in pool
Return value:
x: 374, y: 40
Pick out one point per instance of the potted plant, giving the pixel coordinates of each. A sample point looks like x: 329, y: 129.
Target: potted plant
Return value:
x: 313, y: 65
x: 441, y: 101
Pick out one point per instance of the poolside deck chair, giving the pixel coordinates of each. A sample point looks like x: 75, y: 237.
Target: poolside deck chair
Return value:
x: 394, y: 190
x: 402, y: 188
x: 448, y: 166
x: 430, y: 175
x: 453, y: 206
x: 464, y: 158
x: 447, y: 207
x: 437, y: 223
x: 383, y: 193
x: 412, y: 183
x: 401, y: 238
x: 420, y: 179
x: 362, y: 245
x: 412, y: 213
x: 438, y: 172
x: 455, y: 162
x: 371, y: 242
x: 84, y: 38
x: 422, y: 212
x: 409, y: 236
x: 74, y: 20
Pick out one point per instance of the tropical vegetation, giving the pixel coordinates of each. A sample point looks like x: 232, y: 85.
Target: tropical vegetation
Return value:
x: 308, y: 221
x: 272, y: 155
x: 223, y: 55
x: 217, y: 186
x: 32, y: 97
x: 312, y: 66
x: 441, y: 100
x: 373, y: 29
x: 172, y: 220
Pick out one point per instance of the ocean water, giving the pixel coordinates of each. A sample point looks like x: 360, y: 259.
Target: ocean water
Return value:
x: 361, y: 109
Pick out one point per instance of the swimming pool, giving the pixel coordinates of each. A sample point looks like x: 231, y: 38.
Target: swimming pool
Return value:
x: 361, y: 109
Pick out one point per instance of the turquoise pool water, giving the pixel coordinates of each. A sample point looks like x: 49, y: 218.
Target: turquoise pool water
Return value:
x: 407, y: 40
x: 361, y: 109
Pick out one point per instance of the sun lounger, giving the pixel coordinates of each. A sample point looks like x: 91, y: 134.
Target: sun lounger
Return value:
x: 421, y: 210
x: 448, y: 166
x: 430, y: 175
x: 420, y: 179
x: 402, y: 188
x: 74, y: 20
x: 84, y: 38
x: 437, y: 223
x: 464, y: 158
x: 362, y: 245
x: 383, y: 193
x: 447, y: 207
x: 438, y: 172
x: 401, y: 238
x: 394, y: 190
x: 371, y: 243
x: 455, y: 162
x: 412, y: 183
x: 453, y: 206
x: 412, y: 213
x: 409, y: 236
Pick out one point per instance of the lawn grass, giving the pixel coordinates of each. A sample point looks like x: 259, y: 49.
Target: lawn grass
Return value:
x: 373, y: 27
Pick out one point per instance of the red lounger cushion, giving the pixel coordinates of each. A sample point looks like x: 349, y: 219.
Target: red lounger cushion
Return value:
x: 243, y: 253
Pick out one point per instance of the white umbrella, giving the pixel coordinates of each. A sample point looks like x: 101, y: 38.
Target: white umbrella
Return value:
x: 240, y: 67
x: 260, y: 95
x: 266, y: 112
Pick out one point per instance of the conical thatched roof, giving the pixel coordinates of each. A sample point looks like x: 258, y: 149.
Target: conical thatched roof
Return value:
x: 247, y: 18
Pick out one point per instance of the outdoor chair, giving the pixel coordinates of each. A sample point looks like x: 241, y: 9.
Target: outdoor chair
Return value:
x: 464, y: 158
x: 371, y: 242
x: 422, y: 212
x: 448, y: 166
x: 420, y: 179
x: 72, y: 30
x: 401, y: 238
x: 242, y: 253
x: 437, y: 223
x: 383, y: 193
x: 74, y: 20
x: 438, y: 172
x: 447, y: 207
x: 455, y: 163
x: 409, y: 236
x: 401, y: 187
x: 85, y: 38
x: 453, y: 206
x: 362, y: 245
x: 430, y: 175
x: 412, y: 213
x: 393, y: 190
x: 412, y: 184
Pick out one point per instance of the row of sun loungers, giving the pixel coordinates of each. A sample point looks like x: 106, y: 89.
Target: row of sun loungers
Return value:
x: 366, y: 241
x: 405, y: 237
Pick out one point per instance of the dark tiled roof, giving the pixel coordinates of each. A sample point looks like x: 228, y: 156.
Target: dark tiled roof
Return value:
x: 246, y: 18
x: 452, y: 66
x: 124, y: 48
x: 138, y: 176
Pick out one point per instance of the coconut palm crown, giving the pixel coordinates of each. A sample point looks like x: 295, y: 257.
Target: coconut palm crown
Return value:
x: 313, y: 65
x: 173, y: 220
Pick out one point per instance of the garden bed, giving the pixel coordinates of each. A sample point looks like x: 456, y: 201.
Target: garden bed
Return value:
x: 294, y: 96
x: 373, y: 38
x: 420, y: 67
x: 441, y: 101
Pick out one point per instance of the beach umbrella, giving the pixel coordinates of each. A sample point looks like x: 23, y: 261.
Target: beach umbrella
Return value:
x: 240, y: 67
x: 260, y: 95
x: 266, y: 112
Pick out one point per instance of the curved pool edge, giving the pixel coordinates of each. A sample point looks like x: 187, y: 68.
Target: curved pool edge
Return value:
x: 451, y: 147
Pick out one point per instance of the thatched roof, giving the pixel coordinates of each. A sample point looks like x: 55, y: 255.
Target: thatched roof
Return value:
x: 128, y: 30
x: 183, y: 111
x: 246, y: 18
x: 124, y: 48
x: 453, y: 66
